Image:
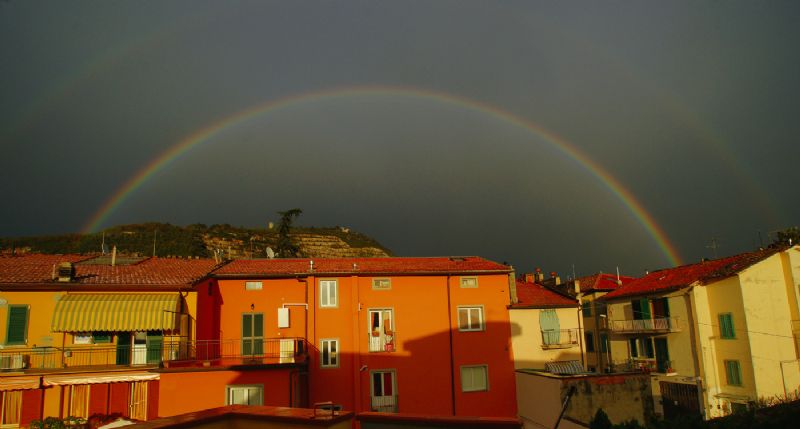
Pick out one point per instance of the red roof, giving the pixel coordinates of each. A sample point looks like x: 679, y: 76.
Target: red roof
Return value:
x: 534, y: 295
x: 39, y: 269
x: 680, y: 277
x: 603, y: 282
x: 322, y: 266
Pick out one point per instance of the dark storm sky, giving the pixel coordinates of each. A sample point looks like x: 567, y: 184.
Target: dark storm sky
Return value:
x: 694, y: 107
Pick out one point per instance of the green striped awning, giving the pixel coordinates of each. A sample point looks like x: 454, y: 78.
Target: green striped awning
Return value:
x: 87, y: 312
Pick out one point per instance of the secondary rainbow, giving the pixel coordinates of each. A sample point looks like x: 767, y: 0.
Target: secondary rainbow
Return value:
x: 207, y: 133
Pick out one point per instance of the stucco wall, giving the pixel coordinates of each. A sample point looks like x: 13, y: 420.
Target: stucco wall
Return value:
x: 526, y: 338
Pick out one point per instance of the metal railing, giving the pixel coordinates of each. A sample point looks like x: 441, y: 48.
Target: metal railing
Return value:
x: 560, y: 338
x: 382, y: 342
x: 384, y: 404
x: 266, y: 350
x: 667, y: 324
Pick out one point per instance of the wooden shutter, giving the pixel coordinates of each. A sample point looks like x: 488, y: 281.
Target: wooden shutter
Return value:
x: 17, y: 324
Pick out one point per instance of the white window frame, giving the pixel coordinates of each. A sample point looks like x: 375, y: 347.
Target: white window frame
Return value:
x: 253, y: 285
x: 378, y: 343
x: 470, y: 282
x: 333, y: 357
x: 229, y: 389
x: 378, y: 281
x: 82, y: 338
x: 468, y: 311
x: 471, y: 386
x: 328, y: 293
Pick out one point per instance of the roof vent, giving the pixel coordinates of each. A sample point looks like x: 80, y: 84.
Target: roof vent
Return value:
x: 66, y: 272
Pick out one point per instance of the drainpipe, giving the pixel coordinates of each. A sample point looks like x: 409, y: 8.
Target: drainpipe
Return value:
x: 580, y: 333
x: 452, y: 365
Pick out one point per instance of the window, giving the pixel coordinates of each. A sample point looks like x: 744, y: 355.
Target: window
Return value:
x: 588, y: 337
x: 328, y: 293
x: 474, y: 378
x: 634, y: 347
x: 469, y: 282
x: 253, y: 286
x: 17, y: 327
x: 10, y: 407
x: 381, y: 284
x: 101, y: 337
x: 551, y: 327
x: 587, y: 309
x: 384, y: 391
x: 138, y: 400
x: 82, y: 338
x: 252, y: 334
x: 641, y: 309
x: 726, y: 331
x: 245, y: 395
x: 733, y: 372
x: 470, y: 318
x: 604, y: 343
x: 381, y: 332
x: 329, y: 353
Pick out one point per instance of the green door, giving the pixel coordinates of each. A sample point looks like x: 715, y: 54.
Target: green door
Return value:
x: 123, y: 348
x: 662, y: 354
x: 252, y: 334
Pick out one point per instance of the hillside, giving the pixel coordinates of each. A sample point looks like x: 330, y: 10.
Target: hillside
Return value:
x: 199, y: 240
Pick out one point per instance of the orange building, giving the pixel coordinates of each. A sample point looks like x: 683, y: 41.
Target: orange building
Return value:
x: 411, y: 335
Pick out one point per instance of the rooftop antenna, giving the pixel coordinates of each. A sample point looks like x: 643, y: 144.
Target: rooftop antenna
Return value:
x: 713, y: 246
x: 760, y: 240
x: 619, y: 282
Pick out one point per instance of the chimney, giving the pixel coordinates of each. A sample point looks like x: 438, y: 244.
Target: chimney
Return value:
x: 539, y: 277
x: 512, y: 287
x: 66, y: 272
x: 529, y: 278
x: 114, y: 256
x: 577, y: 287
x: 556, y: 279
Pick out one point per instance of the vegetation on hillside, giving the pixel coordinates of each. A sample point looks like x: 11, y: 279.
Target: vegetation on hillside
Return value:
x: 171, y: 240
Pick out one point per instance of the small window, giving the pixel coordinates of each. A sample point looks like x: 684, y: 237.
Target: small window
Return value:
x: 381, y: 284
x: 474, y: 378
x: 604, y: 343
x: 470, y: 319
x: 469, y: 282
x: 329, y: 353
x: 101, y: 337
x: 634, y: 347
x: 733, y: 372
x: 588, y: 337
x: 245, y: 395
x: 587, y: 309
x: 726, y: 331
x: 82, y: 338
x: 253, y: 286
x: 328, y: 293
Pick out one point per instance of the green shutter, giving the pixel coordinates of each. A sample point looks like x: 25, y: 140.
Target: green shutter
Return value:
x: 589, y: 337
x: 645, y: 308
x: 155, y: 343
x: 726, y: 330
x: 101, y: 337
x: 733, y: 372
x: 17, y: 325
x: 604, y: 343
x: 634, y: 351
x: 587, y: 309
x: 548, y: 320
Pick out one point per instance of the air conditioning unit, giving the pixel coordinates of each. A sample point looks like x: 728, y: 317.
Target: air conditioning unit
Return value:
x: 14, y: 361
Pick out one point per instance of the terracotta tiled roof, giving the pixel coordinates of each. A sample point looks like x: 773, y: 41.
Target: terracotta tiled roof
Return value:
x: 37, y: 268
x: 534, y: 295
x: 278, y: 267
x: 679, y: 277
x: 603, y: 282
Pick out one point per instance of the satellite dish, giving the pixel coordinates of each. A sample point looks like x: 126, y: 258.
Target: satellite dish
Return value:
x: 270, y: 253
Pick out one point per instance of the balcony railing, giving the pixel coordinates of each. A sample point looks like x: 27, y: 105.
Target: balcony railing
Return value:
x: 667, y: 324
x: 560, y: 338
x: 381, y: 342
x: 384, y: 404
x: 170, y: 352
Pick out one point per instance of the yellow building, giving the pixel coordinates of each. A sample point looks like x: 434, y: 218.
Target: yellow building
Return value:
x: 78, y: 334
x: 545, y: 328
x: 716, y: 335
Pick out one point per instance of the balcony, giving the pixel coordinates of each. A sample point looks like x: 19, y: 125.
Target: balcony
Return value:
x: 170, y: 353
x: 560, y: 338
x: 382, y: 342
x: 644, y: 326
x: 384, y: 404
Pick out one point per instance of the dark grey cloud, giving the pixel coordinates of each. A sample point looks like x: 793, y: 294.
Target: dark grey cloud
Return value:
x: 692, y: 107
